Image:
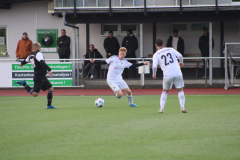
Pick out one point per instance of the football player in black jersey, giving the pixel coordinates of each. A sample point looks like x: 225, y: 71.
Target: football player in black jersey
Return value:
x: 40, y: 70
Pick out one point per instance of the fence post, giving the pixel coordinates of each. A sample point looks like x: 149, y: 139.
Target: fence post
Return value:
x: 225, y: 65
x: 210, y: 55
x: 143, y: 74
x: 73, y: 57
x: 82, y: 72
x: 205, y: 72
x: 141, y: 52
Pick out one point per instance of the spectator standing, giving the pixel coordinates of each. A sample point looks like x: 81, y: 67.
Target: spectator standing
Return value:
x: 130, y: 42
x: 92, y: 53
x: 24, y: 47
x: 63, y: 44
x: 203, y: 45
x: 176, y: 42
x: 111, y: 45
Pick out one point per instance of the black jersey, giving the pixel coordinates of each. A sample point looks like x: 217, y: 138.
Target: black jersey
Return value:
x: 38, y: 62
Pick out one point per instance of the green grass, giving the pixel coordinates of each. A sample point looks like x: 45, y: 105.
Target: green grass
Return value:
x: 79, y: 130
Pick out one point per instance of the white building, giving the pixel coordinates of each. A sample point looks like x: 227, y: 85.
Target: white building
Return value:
x: 26, y: 16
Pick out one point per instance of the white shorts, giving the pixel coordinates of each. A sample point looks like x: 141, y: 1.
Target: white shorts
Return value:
x: 115, y: 86
x: 177, y: 81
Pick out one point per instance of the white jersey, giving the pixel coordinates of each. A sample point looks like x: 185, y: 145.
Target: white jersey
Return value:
x: 167, y: 59
x: 116, y: 67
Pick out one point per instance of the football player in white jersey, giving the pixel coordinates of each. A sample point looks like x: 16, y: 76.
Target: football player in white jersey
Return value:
x: 114, y: 76
x: 166, y: 58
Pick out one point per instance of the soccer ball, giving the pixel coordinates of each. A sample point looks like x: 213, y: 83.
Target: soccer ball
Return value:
x: 99, y: 102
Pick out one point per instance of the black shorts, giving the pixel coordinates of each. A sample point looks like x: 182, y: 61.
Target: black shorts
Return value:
x: 41, y: 82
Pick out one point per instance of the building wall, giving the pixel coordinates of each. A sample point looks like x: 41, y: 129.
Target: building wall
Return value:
x: 29, y: 16
x: 231, y: 32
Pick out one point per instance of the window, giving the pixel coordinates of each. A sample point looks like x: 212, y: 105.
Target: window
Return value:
x: 3, y: 39
x: 125, y: 27
x: 109, y: 27
x: 235, y: 1
x: 189, y: 28
x: 180, y: 27
x: 119, y: 29
x: 198, y: 26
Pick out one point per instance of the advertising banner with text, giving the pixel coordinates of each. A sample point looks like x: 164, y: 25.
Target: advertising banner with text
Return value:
x: 10, y: 73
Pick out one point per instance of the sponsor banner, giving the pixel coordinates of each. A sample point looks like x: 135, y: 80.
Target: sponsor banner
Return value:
x: 31, y: 74
x: 53, y: 66
x: 62, y: 74
x: 54, y: 82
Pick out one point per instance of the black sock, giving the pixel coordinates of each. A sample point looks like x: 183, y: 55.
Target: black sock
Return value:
x: 29, y: 89
x: 49, y: 98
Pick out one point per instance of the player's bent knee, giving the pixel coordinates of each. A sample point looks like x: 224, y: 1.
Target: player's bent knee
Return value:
x: 120, y: 94
x: 51, y: 89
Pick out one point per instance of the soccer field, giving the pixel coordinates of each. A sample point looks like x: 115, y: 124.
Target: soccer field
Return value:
x: 79, y: 130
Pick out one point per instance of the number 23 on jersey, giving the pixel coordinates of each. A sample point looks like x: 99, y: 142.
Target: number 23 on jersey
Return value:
x: 168, y: 59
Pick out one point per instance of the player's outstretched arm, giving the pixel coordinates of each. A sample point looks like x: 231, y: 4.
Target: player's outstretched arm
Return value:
x: 98, y: 62
x: 27, y: 60
x: 154, y: 67
x: 24, y: 62
x: 139, y: 64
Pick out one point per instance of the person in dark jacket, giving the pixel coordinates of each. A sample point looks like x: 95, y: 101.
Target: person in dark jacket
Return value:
x: 130, y: 42
x: 111, y: 45
x: 63, y: 44
x: 176, y: 42
x: 92, y: 53
x: 203, y: 45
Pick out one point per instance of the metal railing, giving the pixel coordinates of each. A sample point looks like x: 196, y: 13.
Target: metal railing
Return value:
x: 80, y: 62
x: 69, y: 4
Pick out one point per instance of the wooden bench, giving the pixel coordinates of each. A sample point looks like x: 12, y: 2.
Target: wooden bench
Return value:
x: 188, y: 63
x: 193, y: 63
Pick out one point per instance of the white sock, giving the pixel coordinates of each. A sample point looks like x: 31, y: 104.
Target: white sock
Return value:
x: 91, y: 76
x: 181, y: 98
x: 163, y: 99
x: 130, y: 99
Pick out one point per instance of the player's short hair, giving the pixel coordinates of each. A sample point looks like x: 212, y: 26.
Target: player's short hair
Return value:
x: 159, y: 42
x: 110, y: 32
x: 36, y: 45
x: 91, y: 45
x: 123, y: 49
x: 175, y: 31
x: 63, y: 30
